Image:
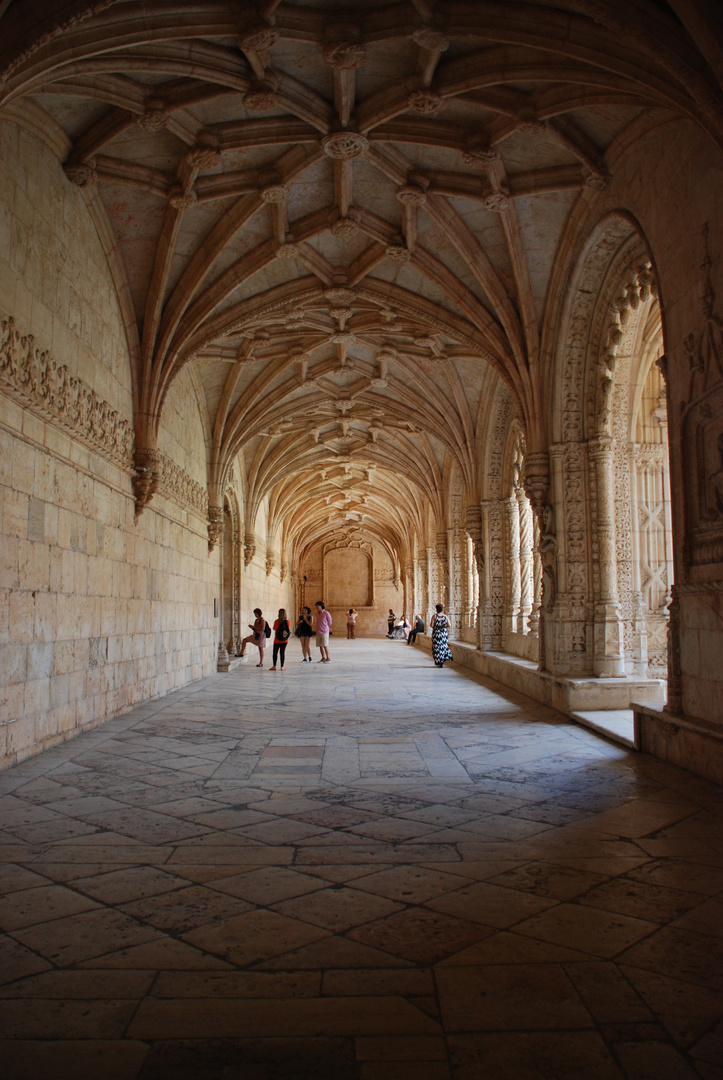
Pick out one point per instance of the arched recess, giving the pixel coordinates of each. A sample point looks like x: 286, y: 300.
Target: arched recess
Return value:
x: 592, y: 617
x: 348, y: 574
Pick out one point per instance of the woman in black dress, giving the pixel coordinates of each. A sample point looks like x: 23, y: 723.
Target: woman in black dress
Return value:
x: 304, y: 631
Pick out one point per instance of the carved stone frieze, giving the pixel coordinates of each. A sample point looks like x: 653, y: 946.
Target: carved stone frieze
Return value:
x: 175, y: 483
x: 49, y: 390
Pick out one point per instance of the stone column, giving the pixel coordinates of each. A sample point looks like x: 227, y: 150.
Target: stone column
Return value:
x: 608, y: 633
x: 536, y: 470
x: 442, y: 559
x: 675, y: 670
x: 432, y: 581
x: 473, y: 525
x: 512, y: 597
x: 492, y: 580
x: 526, y: 582
x: 533, y: 623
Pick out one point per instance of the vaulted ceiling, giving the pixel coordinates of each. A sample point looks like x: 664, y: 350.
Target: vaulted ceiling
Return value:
x: 349, y: 218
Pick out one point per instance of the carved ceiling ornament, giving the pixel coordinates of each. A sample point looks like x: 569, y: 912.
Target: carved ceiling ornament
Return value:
x: 275, y: 193
x: 411, y: 195
x: 345, y: 228
x: 398, y: 253
x: 427, y: 102
x: 344, y: 145
x: 81, y: 175
x: 259, y: 39
x: 181, y: 199
x: 431, y: 40
x: 155, y: 117
x: 288, y: 251
x: 203, y: 157
x: 261, y: 96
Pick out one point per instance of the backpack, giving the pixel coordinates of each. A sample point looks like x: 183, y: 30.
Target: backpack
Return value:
x: 267, y: 631
x: 283, y: 632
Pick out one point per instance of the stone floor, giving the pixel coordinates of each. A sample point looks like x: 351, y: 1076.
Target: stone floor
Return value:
x: 370, y: 869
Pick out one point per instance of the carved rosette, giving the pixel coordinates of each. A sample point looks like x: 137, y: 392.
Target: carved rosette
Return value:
x: 345, y: 55
x: 154, y: 118
x: 596, y: 181
x: 480, y: 156
x: 345, y: 228
x: 146, y: 479
x: 82, y: 175
x: 427, y: 102
x: 412, y: 195
x: 344, y: 145
x: 216, y: 524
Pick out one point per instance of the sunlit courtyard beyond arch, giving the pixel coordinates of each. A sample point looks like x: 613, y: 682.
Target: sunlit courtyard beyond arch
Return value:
x: 365, y: 869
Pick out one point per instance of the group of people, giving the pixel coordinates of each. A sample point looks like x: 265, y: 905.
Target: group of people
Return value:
x: 440, y: 632
x: 308, y: 626
x: 305, y: 629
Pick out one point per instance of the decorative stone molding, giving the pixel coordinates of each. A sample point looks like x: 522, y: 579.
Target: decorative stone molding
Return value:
x: 412, y: 195
x: 483, y: 156
x: 175, y: 483
x: 216, y: 524
x: 145, y: 480
x: 398, y: 253
x: 430, y: 39
x: 275, y: 193
x: 288, y: 251
x: 49, y: 390
x: 345, y: 55
x: 497, y: 202
x: 341, y: 295
x: 258, y: 39
x: 203, y: 156
x: 85, y: 12
x: 249, y: 548
x: 261, y: 96
x: 154, y: 118
x: 82, y: 175
x: 344, y: 145
x: 181, y: 199
x: 427, y: 102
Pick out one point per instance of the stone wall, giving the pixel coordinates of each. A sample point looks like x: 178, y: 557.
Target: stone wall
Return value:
x: 372, y: 618
x: 98, y: 611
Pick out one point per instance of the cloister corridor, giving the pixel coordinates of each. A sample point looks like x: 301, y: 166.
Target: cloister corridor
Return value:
x: 371, y: 869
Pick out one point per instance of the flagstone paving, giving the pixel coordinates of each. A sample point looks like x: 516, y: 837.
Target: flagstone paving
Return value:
x: 366, y: 870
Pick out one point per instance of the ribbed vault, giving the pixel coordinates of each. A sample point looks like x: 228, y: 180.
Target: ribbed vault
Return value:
x: 346, y: 218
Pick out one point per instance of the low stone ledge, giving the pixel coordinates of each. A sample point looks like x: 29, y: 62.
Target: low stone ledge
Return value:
x: 566, y: 694
x: 693, y: 744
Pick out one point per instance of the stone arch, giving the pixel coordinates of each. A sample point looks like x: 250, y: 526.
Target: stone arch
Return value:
x: 590, y: 625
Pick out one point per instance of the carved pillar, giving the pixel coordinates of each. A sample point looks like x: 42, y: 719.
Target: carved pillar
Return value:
x: 236, y: 598
x: 640, y: 630
x: 675, y: 671
x: 526, y: 580
x: 537, y: 489
x: 608, y: 632
x: 442, y: 558
x: 533, y: 623
x: 432, y: 580
x: 492, y: 583
x: 409, y: 590
x: 474, y: 526
x: 512, y: 568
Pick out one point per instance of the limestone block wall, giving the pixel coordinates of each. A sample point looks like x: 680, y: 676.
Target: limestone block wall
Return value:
x: 97, y: 612
x: 54, y: 278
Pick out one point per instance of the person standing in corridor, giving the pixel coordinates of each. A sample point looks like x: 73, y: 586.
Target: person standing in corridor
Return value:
x: 282, y: 632
x: 440, y: 637
x: 323, y: 626
x: 351, y: 624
